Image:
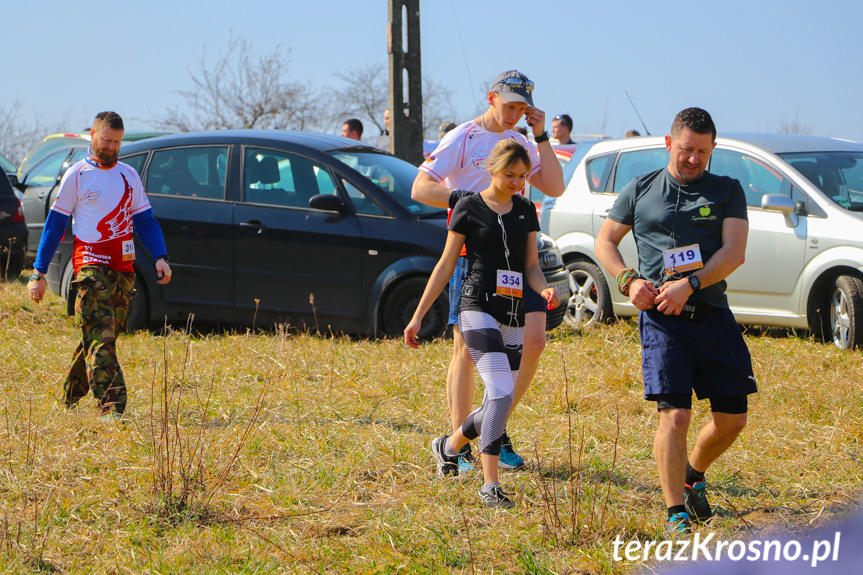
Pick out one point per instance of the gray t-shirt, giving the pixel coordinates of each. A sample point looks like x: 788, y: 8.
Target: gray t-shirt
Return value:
x: 665, y: 214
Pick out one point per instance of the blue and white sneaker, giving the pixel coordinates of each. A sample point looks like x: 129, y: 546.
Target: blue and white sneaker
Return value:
x: 509, y: 459
x: 466, y: 464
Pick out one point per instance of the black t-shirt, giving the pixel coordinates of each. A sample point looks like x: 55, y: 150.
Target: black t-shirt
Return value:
x: 665, y: 214
x: 484, y: 232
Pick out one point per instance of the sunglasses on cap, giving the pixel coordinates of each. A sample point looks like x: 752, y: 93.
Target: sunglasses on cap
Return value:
x: 514, y: 82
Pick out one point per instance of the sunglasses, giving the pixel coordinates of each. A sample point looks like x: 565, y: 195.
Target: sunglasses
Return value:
x: 514, y: 82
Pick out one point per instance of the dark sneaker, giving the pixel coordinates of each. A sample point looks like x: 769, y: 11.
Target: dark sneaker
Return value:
x: 679, y: 524
x: 509, y: 459
x: 445, y: 465
x: 496, y: 498
x: 695, y: 499
x: 466, y: 464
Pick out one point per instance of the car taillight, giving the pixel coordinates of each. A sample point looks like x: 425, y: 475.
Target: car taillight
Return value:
x: 18, y: 218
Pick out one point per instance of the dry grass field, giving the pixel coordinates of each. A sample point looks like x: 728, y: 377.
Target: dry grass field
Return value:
x: 253, y: 452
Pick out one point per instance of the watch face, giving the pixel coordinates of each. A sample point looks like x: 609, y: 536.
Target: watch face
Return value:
x: 694, y: 282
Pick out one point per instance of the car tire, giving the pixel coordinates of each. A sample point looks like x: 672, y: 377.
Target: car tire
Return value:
x: 11, y: 268
x: 402, y: 301
x: 843, y: 317
x: 138, y: 317
x: 590, y: 303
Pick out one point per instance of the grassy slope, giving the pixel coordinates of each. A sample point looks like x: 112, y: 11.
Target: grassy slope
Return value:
x: 284, y: 453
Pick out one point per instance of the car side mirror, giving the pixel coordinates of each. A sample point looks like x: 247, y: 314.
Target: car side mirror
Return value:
x: 327, y: 203
x: 13, y: 179
x: 783, y: 204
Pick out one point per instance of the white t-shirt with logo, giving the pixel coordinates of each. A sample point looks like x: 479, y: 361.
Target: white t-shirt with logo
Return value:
x: 101, y: 203
x: 460, y: 161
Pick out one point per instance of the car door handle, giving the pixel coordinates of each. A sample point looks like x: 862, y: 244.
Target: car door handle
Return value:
x: 604, y: 214
x: 254, y: 226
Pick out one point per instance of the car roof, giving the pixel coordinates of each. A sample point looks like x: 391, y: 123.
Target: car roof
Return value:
x: 314, y: 140
x: 774, y: 143
x: 54, y: 142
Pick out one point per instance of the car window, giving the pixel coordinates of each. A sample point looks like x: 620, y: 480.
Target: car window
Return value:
x: 598, y: 170
x: 838, y: 174
x: 635, y: 163
x: 48, y: 170
x: 362, y: 203
x: 188, y: 172
x: 278, y: 178
x: 394, y: 177
x: 136, y: 162
x: 755, y: 176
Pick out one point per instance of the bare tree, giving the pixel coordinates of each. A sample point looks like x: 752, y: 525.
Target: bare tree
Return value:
x: 794, y: 126
x: 243, y: 90
x: 365, y: 95
x: 16, y: 136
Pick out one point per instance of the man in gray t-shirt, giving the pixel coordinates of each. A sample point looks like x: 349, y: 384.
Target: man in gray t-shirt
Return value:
x: 690, y: 228
x: 665, y: 214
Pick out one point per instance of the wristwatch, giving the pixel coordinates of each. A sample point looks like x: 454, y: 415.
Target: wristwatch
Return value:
x: 694, y: 282
x: 541, y: 138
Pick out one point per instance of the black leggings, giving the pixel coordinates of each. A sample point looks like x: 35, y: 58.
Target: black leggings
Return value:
x: 496, y: 352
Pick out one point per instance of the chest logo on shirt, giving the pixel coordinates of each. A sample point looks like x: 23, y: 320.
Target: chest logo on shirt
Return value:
x: 119, y: 221
x: 479, y: 158
x: 704, y: 215
x: 91, y: 193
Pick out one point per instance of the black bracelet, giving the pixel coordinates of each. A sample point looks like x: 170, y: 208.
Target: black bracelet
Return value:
x: 541, y: 138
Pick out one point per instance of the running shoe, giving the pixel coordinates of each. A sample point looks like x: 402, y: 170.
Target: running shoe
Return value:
x: 509, y: 459
x: 679, y: 524
x: 695, y: 499
x: 111, y: 416
x: 466, y: 464
x: 445, y: 465
x: 496, y: 498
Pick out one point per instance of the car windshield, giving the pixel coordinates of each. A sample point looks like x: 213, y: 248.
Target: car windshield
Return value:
x: 7, y: 166
x: 579, y: 153
x: 838, y: 174
x: 390, y: 174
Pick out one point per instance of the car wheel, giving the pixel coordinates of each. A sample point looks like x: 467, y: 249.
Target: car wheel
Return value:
x: 845, y: 302
x: 138, y: 309
x: 11, y: 268
x: 590, y: 303
x: 401, y: 303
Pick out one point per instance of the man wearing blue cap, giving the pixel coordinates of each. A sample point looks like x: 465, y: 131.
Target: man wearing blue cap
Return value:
x: 460, y: 163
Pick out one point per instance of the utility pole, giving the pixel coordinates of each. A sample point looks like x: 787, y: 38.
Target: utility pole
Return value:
x: 406, y: 97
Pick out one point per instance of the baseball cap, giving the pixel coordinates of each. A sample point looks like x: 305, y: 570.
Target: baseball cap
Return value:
x: 513, y: 86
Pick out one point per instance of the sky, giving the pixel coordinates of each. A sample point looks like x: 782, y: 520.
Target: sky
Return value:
x: 755, y: 65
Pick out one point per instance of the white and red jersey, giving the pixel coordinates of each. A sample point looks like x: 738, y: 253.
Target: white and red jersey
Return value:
x: 101, y: 202
x: 460, y: 161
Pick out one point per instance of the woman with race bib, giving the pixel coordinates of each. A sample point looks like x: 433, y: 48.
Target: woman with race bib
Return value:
x: 498, y: 227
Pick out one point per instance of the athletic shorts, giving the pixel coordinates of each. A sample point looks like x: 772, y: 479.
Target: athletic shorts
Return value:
x: 706, y: 355
x: 532, y: 300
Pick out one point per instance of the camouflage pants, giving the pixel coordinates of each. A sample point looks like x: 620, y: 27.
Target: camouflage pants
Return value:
x: 101, y: 310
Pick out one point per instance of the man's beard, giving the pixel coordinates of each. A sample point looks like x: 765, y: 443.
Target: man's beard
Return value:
x: 104, y: 155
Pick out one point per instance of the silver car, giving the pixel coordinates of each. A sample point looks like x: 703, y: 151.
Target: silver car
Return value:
x: 804, y: 256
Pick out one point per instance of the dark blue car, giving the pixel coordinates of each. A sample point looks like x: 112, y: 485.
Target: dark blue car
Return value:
x: 295, y: 228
